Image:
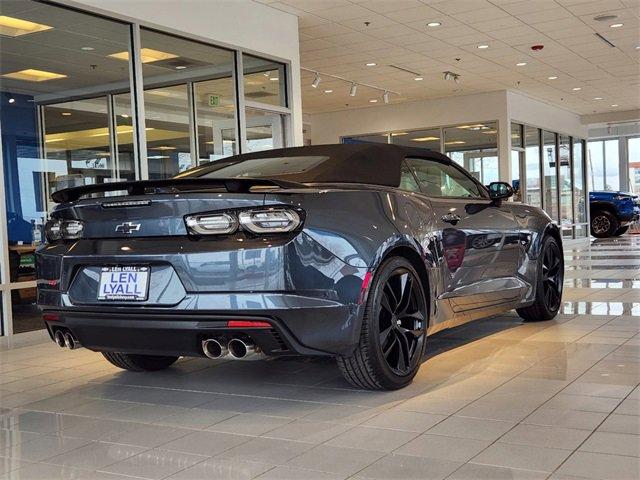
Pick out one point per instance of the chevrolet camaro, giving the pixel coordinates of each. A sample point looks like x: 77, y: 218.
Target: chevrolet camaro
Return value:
x: 352, y: 251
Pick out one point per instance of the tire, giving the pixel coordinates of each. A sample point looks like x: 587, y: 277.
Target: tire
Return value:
x: 550, y: 275
x: 621, y: 231
x: 139, y: 363
x: 397, y: 325
x: 604, y: 224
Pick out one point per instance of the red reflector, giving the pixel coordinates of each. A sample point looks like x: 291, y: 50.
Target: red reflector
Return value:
x: 50, y: 317
x: 365, y: 286
x: 247, y: 324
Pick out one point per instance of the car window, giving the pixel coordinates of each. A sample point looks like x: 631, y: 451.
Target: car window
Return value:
x: 441, y: 180
x: 407, y: 180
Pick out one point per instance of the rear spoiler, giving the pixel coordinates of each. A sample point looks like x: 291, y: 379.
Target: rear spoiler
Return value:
x: 142, y: 187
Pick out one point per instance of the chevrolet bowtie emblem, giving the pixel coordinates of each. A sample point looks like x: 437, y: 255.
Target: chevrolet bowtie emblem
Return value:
x: 127, y: 227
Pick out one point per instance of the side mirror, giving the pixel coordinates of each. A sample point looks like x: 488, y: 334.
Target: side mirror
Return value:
x: 500, y: 190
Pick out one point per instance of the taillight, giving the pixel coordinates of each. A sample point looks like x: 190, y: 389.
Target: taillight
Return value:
x: 258, y: 221
x: 56, y: 229
x: 212, y: 224
x: 273, y: 220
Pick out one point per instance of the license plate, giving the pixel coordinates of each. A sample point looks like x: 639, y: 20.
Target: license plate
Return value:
x: 124, y: 283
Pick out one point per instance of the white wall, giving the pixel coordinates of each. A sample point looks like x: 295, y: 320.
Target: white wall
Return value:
x: 244, y: 24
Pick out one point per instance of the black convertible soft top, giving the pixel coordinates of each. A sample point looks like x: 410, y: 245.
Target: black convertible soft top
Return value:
x: 374, y: 164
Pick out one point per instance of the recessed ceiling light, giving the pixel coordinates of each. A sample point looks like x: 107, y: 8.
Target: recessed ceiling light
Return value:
x: 66, y: 114
x: 147, y: 55
x: 328, y: 91
x: 482, y: 47
x: 33, y: 75
x: 521, y: 64
x: 274, y: 79
x: 180, y: 67
x: 616, y: 25
x: 15, y: 27
x: 12, y: 100
x: 163, y: 147
x: 87, y: 49
x: 434, y: 24
x: 455, y: 142
x: 417, y: 79
x: 637, y: 47
x: 373, y: 100
x: 371, y: 64
x: 399, y: 134
x: 124, y: 115
x: 425, y: 139
x: 615, y: 105
x: 597, y: 98
x: 552, y: 78
x: 576, y: 89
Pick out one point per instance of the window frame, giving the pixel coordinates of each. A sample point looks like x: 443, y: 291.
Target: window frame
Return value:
x: 482, y: 189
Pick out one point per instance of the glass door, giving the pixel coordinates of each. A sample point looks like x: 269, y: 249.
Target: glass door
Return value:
x: 265, y: 129
x: 565, y: 184
x: 633, y: 149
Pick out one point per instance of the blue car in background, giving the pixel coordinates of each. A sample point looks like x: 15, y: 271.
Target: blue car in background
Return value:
x: 612, y: 212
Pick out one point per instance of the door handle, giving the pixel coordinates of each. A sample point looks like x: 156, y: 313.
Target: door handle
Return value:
x: 451, y: 218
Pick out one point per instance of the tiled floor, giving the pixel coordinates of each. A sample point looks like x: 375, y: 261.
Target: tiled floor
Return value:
x: 497, y: 399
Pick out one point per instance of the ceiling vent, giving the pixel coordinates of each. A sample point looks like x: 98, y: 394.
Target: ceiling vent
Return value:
x: 605, y: 18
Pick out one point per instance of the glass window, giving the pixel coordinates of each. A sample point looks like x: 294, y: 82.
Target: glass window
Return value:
x: 174, y: 71
x: 566, y: 182
x: 475, y: 147
x: 517, y: 157
x: 264, y: 81
x: 596, y: 165
x: 124, y: 157
x: 549, y: 162
x: 634, y: 164
x: 427, y: 139
x: 612, y: 165
x: 532, y: 192
x: 57, y: 84
x: 579, y: 192
x: 407, y: 180
x: 440, y: 180
x: 265, y: 130
x: 516, y: 135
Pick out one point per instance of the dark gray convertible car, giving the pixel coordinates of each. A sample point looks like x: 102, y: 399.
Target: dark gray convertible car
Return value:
x: 351, y: 251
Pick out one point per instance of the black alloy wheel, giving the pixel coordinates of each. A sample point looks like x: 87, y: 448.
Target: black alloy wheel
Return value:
x: 552, y: 276
x: 393, y: 334
x: 603, y: 224
x: 401, y: 321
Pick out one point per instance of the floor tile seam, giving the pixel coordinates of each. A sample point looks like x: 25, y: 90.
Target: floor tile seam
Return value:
x: 592, y: 431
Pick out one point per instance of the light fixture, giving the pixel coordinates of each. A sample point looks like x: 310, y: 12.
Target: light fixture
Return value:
x: 552, y: 78
x: 385, y: 97
x: 371, y: 64
x: 316, y: 81
x: 373, y: 100
x: 434, y: 24
x: 87, y: 49
x: 328, y: 91
x: 615, y: 105
x: 66, y: 114
x: 12, y: 100
x: 180, y: 67
x: 163, y: 147
x: 597, y: 98
x: 274, y: 79
x: 353, y: 90
x: 455, y: 142
x: 521, y: 64
x: 33, y: 75
x: 482, y: 47
x: 124, y: 115
x: 451, y: 76
x: 637, y: 47
x: 147, y: 55
x: 425, y: 139
x: 418, y: 79
x: 16, y: 27
x: 616, y: 25
x: 576, y: 89
x: 399, y: 134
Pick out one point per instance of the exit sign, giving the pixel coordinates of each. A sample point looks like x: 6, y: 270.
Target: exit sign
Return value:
x: 214, y: 100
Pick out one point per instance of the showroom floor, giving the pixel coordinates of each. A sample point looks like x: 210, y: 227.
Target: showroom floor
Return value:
x: 497, y: 399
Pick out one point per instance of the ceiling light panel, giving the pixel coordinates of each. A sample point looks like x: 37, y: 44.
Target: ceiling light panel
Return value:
x: 147, y: 55
x: 33, y: 75
x: 16, y: 27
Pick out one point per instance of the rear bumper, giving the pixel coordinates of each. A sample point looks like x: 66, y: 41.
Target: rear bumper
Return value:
x: 300, y: 325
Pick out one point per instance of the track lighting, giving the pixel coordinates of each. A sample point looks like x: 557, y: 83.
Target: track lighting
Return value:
x: 316, y: 81
x: 353, y: 90
x: 451, y: 76
x: 353, y: 84
x: 385, y: 97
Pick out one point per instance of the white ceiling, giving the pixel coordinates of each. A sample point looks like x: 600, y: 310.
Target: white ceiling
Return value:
x: 334, y: 39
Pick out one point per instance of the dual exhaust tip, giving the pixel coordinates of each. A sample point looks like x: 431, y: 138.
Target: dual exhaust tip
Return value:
x: 65, y: 339
x: 237, y: 348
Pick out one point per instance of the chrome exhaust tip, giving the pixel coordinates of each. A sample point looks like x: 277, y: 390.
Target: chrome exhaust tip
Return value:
x: 70, y: 341
x: 242, y: 349
x: 212, y: 348
x: 58, y: 337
